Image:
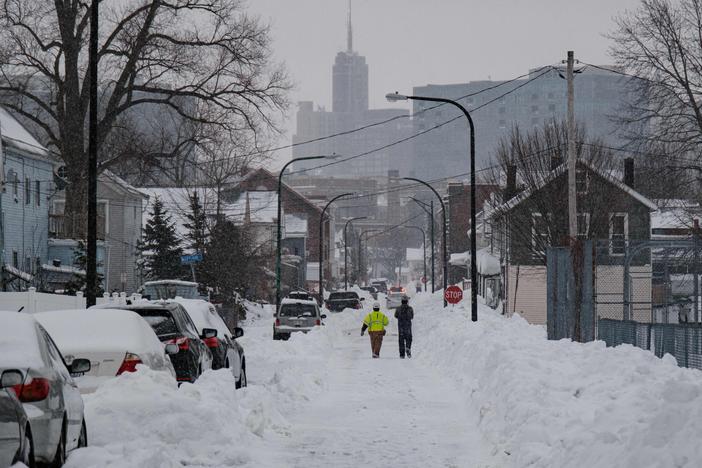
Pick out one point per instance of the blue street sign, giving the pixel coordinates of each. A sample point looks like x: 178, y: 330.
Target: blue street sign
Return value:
x: 190, y: 259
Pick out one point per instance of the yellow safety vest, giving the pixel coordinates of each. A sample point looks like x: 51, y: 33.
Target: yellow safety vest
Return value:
x: 376, y: 321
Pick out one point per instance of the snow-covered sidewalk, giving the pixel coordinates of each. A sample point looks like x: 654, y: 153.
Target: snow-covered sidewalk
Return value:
x: 381, y: 413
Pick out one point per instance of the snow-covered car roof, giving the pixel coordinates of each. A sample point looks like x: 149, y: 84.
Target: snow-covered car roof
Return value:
x: 94, y: 330
x: 289, y: 300
x: 204, y: 315
x: 19, y: 341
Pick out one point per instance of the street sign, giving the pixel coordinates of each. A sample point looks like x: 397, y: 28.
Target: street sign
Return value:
x: 424, y: 279
x: 453, y: 294
x: 190, y: 259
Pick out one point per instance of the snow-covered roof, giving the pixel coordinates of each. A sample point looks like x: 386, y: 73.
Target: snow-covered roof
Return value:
x: 175, y: 282
x: 295, y: 226
x: 675, y: 218
x: 16, y: 135
x: 123, y: 184
x: 262, y: 207
x: 414, y: 255
x: 63, y: 269
x: 487, y: 265
x: 552, y: 175
x: 17, y: 272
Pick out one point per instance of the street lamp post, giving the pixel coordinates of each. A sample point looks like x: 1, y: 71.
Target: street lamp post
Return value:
x: 346, y: 253
x: 424, y: 250
x: 280, y: 234
x: 360, y: 240
x: 443, y: 217
x: 473, y: 229
x: 430, y: 213
x: 321, y: 243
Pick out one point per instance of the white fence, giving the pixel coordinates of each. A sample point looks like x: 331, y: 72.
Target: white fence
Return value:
x: 32, y: 301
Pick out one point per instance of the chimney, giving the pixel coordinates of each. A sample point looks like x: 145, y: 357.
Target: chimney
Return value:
x: 629, y: 172
x: 511, y: 188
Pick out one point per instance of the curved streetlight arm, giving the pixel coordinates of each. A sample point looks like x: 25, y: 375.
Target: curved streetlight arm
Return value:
x: 321, y: 244
x: 422, y: 205
x: 443, y: 216
x: 280, y: 233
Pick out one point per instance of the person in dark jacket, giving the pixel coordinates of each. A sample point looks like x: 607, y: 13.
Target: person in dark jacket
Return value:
x: 404, y: 315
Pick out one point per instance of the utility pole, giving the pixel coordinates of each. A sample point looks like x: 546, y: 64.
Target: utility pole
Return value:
x: 572, y: 194
x: 91, y: 251
x: 576, y: 250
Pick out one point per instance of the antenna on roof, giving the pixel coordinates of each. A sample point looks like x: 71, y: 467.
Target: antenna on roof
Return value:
x: 349, y: 32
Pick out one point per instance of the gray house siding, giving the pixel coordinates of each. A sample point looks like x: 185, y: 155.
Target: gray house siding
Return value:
x: 25, y: 210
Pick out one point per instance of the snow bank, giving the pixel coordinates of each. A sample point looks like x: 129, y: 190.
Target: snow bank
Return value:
x: 19, y: 341
x: 562, y: 404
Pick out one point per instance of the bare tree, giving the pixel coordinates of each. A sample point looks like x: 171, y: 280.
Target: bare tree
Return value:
x: 205, y: 61
x: 660, y: 42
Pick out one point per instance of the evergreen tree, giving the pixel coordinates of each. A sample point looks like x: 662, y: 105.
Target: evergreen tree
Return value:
x: 161, y: 248
x: 197, y: 236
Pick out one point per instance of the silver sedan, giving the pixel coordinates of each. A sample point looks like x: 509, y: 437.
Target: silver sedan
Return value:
x: 48, y: 393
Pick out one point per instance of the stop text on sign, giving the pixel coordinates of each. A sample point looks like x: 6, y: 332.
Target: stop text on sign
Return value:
x: 453, y: 294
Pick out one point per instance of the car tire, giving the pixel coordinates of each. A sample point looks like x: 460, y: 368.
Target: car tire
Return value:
x: 242, y: 382
x: 60, y: 457
x: 83, y: 437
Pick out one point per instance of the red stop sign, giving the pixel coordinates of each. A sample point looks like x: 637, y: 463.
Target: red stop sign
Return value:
x: 424, y: 279
x: 453, y: 294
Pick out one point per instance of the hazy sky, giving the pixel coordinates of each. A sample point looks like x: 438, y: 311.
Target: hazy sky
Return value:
x: 416, y: 42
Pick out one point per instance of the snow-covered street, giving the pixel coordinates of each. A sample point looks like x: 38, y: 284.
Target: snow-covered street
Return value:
x: 490, y: 394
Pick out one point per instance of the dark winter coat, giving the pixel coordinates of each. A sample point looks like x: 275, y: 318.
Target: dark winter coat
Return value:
x: 404, y: 315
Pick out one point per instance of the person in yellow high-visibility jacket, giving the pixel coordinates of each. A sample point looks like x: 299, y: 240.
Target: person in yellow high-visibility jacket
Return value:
x: 375, y: 323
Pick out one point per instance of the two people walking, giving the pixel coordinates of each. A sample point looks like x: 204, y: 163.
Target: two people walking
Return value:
x: 376, y: 322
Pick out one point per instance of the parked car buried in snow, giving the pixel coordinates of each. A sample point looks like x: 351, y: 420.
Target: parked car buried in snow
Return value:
x: 394, y: 300
x: 296, y: 316
x: 173, y: 325
x: 48, y: 393
x: 226, y: 351
x: 340, y: 300
x: 15, y: 434
x: 113, y: 340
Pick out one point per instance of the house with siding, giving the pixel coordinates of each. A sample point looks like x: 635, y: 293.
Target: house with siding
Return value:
x: 27, y: 190
x: 611, y: 213
x: 119, y: 224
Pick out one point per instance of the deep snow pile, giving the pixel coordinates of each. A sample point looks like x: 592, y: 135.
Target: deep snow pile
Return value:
x: 563, y: 404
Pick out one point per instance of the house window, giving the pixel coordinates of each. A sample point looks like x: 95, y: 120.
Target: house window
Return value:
x: 583, y: 225
x: 15, y: 184
x: 27, y: 191
x: 37, y: 188
x: 503, y: 123
x: 618, y: 233
x: 582, y: 181
x: 539, y: 233
x: 28, y: 264
x: 37, y: 265
x: 15, y: 259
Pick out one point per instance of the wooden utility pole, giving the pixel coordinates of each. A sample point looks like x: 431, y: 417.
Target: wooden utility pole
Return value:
x: 91, y: 277
x: 572, y: 194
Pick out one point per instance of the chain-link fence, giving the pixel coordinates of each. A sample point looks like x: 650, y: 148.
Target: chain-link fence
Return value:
x: 647, y: 294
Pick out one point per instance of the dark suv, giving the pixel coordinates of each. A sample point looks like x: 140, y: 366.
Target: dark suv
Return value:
x: 338, y: 301
x: 172, y: 324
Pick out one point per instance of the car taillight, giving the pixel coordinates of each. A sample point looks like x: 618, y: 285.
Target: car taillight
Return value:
x: 211, y: 342
x: 129, y: 364
x: 35, y: 390
x: 183, y: 342
x: 319, y: 322
x: 277, y: 322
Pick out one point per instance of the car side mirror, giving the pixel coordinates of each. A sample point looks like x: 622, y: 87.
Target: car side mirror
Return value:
x: 238, y: 332
x: 363, y: 298
x: 208, y: 333
x: 10, y: 378
x: 79, y: 366
x: 324, y: 316
x: 172, y: 348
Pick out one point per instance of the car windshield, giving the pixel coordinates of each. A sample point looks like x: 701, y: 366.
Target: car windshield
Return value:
x: 160, y: 320
x: 343, y: 295
x: 298, y: 310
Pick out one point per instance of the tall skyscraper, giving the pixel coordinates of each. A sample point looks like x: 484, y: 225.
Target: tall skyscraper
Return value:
x: 349, y: 111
